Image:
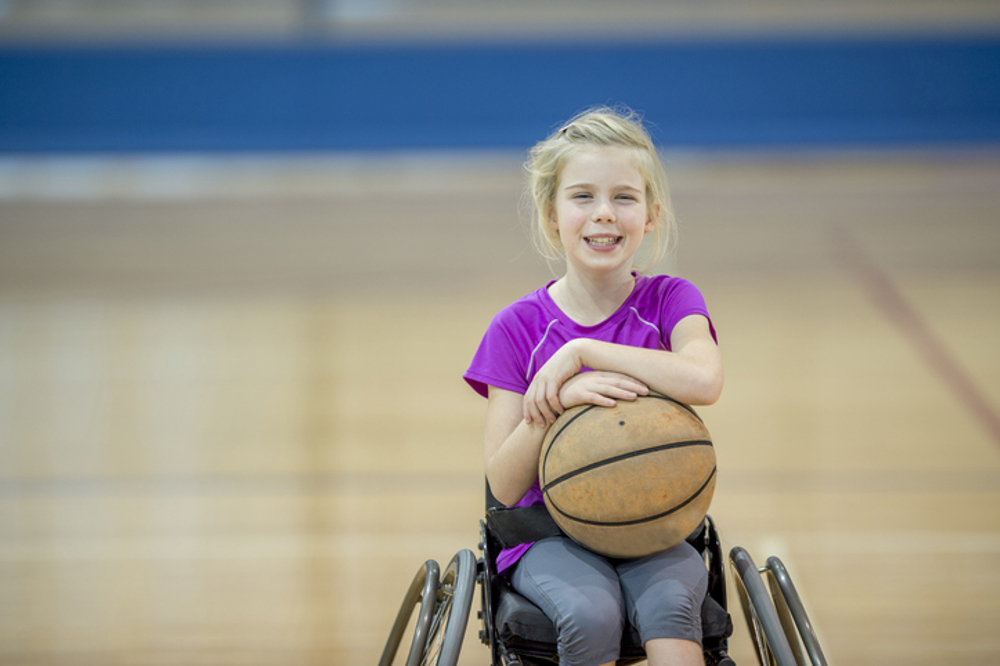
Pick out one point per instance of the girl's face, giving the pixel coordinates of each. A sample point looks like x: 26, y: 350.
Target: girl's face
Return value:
x: 600, y: 210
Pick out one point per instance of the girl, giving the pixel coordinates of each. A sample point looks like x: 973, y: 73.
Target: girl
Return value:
x: 600, y: 333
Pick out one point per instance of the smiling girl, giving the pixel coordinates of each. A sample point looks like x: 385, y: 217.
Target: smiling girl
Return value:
x: 602, y: 332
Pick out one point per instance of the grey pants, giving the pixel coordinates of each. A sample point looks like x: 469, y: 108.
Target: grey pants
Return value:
x: 588, y: 596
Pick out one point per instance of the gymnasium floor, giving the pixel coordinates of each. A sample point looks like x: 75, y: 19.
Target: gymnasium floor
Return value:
x: 233, y: 424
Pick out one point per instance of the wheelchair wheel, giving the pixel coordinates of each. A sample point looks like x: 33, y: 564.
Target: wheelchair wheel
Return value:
x: 423, y: 590
x: 762, y: 618
x: 451, y: 611
x: 793, y: 614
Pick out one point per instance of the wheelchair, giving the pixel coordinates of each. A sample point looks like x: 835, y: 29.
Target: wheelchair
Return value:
x: 519, y: 634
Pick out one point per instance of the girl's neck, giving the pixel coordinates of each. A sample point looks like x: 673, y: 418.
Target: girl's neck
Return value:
x: 589, y: 301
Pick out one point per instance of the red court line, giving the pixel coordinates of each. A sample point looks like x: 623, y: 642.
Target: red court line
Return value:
x: 891, y: 302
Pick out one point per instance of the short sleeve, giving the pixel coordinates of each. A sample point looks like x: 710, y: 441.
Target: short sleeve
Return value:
x: 497, y: 362
x: 679, y: 298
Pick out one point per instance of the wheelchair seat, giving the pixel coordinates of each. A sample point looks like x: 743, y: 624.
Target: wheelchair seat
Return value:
x: 519, y: 632
x: 523, y: 629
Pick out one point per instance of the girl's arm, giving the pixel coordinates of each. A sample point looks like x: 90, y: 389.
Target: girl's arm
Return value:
x: 691, y: 373
x: 512, y: 446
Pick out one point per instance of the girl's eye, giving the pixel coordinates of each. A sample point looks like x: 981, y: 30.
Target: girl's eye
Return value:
x: 581, y: 195
x: 626, y: 197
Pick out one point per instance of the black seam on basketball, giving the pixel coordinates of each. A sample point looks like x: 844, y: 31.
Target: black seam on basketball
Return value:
x: 637, y: 521
x: 562, y: 429
x: 676, y: 402
x: 624, y: 456
x: 584, y: 411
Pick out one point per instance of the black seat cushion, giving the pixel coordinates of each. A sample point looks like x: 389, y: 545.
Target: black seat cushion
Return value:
x: 523, y: 627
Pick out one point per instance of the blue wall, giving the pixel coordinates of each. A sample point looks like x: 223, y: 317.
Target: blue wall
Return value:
x: 299, y: 96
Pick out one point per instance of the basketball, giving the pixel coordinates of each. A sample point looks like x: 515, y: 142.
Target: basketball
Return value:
x: 630, y: 480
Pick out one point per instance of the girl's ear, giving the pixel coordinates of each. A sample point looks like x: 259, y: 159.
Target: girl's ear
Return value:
x: 551, y: 216
x: 653, y: 217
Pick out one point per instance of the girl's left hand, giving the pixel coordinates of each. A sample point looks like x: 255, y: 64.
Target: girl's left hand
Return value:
x: 601, y: 388
x: 541, y: 400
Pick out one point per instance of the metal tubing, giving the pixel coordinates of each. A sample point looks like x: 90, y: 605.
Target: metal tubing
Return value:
x: 790, y: 596
x: 761, y: 613
x: 424, y: 589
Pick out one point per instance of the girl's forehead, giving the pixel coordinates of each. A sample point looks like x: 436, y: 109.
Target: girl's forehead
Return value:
x: 602, y: 162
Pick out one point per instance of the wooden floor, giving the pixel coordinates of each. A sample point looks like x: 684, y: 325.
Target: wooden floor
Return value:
x: 233, y: 424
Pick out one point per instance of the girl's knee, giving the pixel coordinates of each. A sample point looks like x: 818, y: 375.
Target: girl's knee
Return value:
x: 591, y: 633
x: 674, y: 613
x: 665, y: 594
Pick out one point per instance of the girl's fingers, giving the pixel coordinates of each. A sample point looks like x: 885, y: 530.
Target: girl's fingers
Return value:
x: 634, y: 386
x: 555, y: 407
x: 536, y: 408
x: 541, y: 406
x: 527, y: 405
x: 601, y: 400
x: 534, y: 414
x: 548, y: 414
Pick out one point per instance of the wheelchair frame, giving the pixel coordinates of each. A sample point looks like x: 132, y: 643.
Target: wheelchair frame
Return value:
x: 777, y: 621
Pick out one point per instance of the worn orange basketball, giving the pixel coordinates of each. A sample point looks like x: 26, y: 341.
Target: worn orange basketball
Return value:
x: 630, y: 480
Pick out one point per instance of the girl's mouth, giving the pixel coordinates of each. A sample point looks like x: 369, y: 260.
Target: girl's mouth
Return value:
x: 603, y: 241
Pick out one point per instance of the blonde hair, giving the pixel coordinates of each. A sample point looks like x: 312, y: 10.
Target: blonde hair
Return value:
x: 599, y: 126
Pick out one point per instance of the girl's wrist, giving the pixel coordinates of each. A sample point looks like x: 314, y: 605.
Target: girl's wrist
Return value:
x: 579, y: 348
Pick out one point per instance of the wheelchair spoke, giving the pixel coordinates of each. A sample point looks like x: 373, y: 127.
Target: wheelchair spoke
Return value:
x: 451, y: 612
x: 438, y: 625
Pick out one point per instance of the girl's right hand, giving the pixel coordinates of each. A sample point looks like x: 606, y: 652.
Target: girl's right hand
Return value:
x: 599, y: 387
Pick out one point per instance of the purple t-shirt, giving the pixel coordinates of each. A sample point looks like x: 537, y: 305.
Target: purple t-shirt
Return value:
x: 525, y: 334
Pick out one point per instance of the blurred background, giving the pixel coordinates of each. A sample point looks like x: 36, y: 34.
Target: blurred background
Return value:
x: 248, y: 248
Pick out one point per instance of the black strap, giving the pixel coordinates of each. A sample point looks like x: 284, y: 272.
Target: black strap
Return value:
x: 527, y: 524
x: 523, y: 524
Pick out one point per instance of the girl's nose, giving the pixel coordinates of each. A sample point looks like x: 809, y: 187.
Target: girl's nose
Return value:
x: 604, y: 211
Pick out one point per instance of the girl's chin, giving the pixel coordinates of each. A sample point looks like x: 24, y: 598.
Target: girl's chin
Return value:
x: 600, y: 265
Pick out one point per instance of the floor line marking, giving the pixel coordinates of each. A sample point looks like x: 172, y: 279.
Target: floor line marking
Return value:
x: 893, y: 304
